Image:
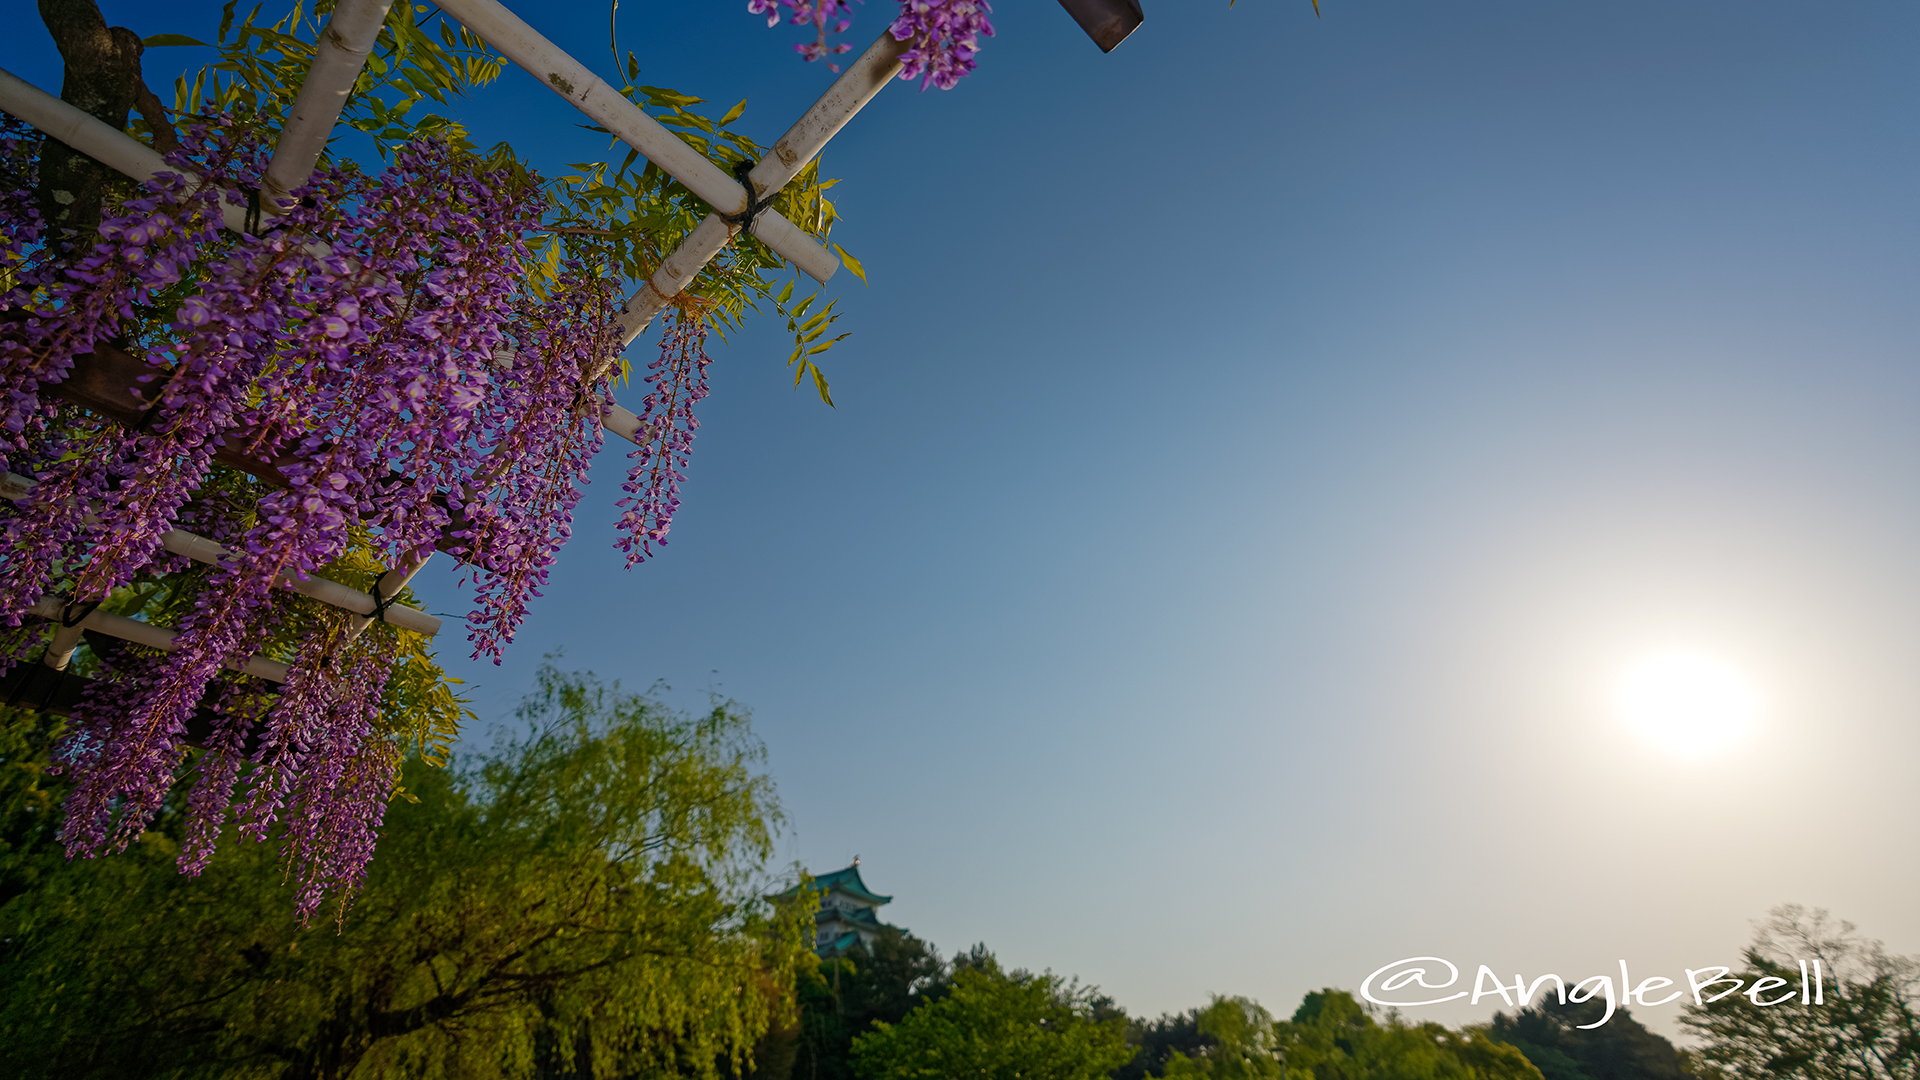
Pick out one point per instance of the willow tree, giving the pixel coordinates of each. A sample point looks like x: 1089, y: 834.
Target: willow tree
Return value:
x: 585, y: 901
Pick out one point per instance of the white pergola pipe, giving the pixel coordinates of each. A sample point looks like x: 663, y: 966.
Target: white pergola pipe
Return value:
x: 864, y: 78
x: 388, y: 585
x: 592, y: 95
x: 60, y: 649
x: 98, y: 140
x: 325, y: 590
x: 849, y: 94
x: 339, y: 55
x: 674, y: 273
x: 157, y: 637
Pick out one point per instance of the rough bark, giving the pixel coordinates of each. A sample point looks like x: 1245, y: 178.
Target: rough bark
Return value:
x: 102, y: 78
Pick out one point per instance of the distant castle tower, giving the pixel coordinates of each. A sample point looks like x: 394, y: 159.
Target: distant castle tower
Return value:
x: 846, y: 917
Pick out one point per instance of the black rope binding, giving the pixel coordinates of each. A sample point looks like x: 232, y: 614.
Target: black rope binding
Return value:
x: 380, y: 605
x: 744, y: 219
x: 70, y: 620
x: 252, y: 222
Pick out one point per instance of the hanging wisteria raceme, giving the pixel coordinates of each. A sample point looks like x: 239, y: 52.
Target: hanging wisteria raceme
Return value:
x: 326, y: 774
x: 820, y: 14
x: 942, y: 36
x: 553, y: 398
x: 677, y: 380
x: 238, y: 707
x: 359, y: 344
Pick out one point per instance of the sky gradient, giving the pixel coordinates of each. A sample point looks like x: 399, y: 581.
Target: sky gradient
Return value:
x: 1257, y: 452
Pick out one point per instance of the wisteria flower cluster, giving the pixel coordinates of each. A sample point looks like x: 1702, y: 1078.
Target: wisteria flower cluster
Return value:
x: 817, y: 13
x: 379, y: 344
x: 942, y: 36
x: 677, y: 381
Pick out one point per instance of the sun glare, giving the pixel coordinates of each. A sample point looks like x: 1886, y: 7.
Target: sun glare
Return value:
x: 1688, y: 703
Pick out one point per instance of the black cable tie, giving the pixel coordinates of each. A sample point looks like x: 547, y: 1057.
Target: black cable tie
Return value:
x: 380, y: 606
x: 69, y: 620
x: 252, y: 222
x: 744, y: 219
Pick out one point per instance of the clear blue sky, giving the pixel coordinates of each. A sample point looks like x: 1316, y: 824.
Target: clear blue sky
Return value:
x: 1259, y: 450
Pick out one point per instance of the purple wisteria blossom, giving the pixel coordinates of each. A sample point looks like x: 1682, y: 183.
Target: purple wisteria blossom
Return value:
x: 942, y: 36
x: 677, y: 380
x: 552, y: 401
x: 820, y: 14
x: 379, y: 344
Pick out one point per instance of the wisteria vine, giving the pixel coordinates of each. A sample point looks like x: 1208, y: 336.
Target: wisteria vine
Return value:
x: 380, y: 345
x: 942, y: 36
x: 677, y: 380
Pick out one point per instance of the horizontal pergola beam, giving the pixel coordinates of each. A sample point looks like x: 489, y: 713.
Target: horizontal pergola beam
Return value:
x: 200, y: 549
x: 156, y: 637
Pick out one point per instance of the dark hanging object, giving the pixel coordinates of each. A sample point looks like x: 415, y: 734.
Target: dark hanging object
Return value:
x: 1107, y: 22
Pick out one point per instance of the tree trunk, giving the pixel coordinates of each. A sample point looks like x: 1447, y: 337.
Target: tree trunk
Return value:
x: 102, y: 77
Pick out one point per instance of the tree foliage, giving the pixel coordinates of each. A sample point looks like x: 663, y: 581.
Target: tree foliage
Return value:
x: 998, y: 1026
x: 844, y: 996
x: 1551, y: 1035
x: 1867, y: 1028
x: 583, y: 901
x: 1158, y: 1040
x: 1242, y: 1043
x: 1332, y: 1037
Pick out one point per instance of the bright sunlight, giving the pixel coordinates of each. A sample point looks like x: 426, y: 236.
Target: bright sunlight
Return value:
x: 1689, y: 703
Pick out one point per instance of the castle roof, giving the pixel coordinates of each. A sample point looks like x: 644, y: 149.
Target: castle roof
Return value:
x: 846, y: 881
x: 857, y: 915
x: 839, y: 945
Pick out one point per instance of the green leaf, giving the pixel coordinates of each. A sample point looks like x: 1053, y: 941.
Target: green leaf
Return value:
x: 158, y: 40
x: 660, y: 97
x: 734, y: 113
x: 853, y: 264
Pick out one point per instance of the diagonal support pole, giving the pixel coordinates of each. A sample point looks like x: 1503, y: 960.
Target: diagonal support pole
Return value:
x: 863, y: 79
x: 338, y: 57
x: 105, y: 144
x: 593, y: 96
x: 849, y: 94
